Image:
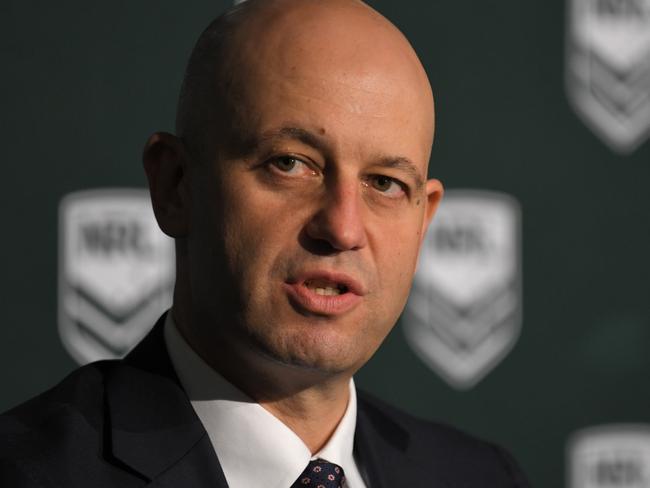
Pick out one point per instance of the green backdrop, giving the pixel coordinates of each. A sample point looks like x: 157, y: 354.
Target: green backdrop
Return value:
x: 84, y: 84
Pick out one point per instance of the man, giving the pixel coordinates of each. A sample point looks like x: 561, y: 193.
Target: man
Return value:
x: 296, y: 191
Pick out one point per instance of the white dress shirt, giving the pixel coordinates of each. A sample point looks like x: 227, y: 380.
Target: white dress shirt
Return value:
x: 253, y: 446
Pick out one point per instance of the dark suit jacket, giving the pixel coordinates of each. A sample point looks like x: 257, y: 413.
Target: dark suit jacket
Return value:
x: 128, y: 423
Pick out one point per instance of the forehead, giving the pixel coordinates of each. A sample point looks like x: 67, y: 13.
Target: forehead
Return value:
x: 356, y: 104
x: 331, y: 74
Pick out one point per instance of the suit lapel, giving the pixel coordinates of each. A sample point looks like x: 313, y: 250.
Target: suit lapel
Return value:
x: 382, y: 446
x: 151, y: 428
x: 198, y: 468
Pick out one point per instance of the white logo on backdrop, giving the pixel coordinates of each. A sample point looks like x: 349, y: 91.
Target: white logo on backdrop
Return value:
x: 464, y: 311
x: 615, y: 456
x: 608, y: 68
x: 116, y: 272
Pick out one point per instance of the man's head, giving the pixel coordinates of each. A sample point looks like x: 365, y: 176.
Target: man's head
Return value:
x: 296, y: 189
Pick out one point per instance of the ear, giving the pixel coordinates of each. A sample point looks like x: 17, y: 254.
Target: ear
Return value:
x: 434, y: 192
x: 165, y: 162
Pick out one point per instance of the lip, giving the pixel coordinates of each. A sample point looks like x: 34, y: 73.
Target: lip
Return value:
x: 328, y: 305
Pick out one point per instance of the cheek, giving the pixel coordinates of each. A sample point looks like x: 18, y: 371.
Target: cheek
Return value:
x: 259, y: 228
x: 395, y: 249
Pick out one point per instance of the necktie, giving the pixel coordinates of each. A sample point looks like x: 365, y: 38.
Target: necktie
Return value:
x: 320, y: 474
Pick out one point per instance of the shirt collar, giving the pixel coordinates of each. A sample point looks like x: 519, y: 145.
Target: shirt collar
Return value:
x: 250, y: 442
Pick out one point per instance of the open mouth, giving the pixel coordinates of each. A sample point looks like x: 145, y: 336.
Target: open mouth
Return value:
x: 325, y: 288
x: 324, y: 293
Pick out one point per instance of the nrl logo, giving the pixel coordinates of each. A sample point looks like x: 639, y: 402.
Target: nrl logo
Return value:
x: 464, y: 311
x: 608, y: 68
x: 616, y: 456
x: 116, y: 272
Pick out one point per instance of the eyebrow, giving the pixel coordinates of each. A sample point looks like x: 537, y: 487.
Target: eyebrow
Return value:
x: 394, y: 162
x: 405, y: 165
x: 302, y: 135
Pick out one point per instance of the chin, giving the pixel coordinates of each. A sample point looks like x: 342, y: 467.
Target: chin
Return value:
x: 325, y: 352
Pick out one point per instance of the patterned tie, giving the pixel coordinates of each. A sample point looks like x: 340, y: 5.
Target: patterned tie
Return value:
x: 320, y: 474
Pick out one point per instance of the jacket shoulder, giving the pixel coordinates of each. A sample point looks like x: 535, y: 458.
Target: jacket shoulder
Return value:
x: 59, y: 423
x: 449, y: 449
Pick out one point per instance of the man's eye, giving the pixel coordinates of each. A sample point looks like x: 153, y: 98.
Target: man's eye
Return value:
x: 290, y: 165
x: 386, y: 185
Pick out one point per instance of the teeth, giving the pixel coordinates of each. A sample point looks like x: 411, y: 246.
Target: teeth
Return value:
x: 323, y: 288
x: 327, y: 291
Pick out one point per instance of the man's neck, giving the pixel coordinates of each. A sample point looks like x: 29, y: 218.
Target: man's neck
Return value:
x: 310, y: 403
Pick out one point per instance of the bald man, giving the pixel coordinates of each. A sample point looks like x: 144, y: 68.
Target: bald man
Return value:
x: 296, y: 191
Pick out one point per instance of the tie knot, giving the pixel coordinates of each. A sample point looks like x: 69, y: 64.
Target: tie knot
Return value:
x: 320, y: 474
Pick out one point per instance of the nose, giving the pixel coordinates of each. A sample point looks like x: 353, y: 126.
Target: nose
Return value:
x: 339, y: 221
